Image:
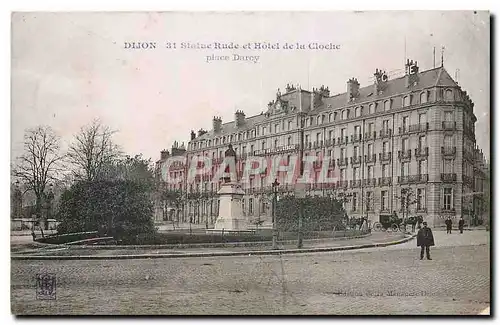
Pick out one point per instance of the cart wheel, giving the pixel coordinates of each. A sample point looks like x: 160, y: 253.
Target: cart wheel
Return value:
x: 377, y: 226
x: 395, y: 227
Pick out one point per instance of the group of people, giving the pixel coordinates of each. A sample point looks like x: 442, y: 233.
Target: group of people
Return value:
x: 449, y: 223
x: 425, y: 238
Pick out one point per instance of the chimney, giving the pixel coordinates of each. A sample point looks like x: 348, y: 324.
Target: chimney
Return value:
x: 193, y: 135
x: 239, y: 117
x: 411, y: 73
x: 164, y: 154
x: 352, y: 89
x: 217, y: 124
x: 381, y: 79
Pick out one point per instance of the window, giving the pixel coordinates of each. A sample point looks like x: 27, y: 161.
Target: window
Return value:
x: 289, y: 141
x: 405, y: 169
x: 263, y: 145
x: 306, y: 139
x: 384, y: 171
x: 383, y: 200
x: 342, y: 174
x: 342, y: 134
x: 371, y: 127
x: 244, y: 149
x: 318, y: 120
x: 356, y: 112
x: 289, y: 125
x: 449, y: 95
x: 250, y: 206
x: 385, y: 126
x: 335, y: 116
x: 448, y: 141
x: 354, y: 201
x: 330, y: 134
x: 385, y: 147
x: 355, y: 173
x: 448, y: 166
x: 421, y: 142
x: 251, y: 149
x: 318, y: 137
x: 406, y: 121
x: 311, y: 120
x: 370, y: 172
x: 422, y: 118
x: 330, y: 117
x: 276, y: 128
x: 387, y: 105
x: 342, y: 153
x: 355, y: 151
x: 404, y: 144
x: 263, y: 130
x: 371, y: 109
x: 448, y: 116
x: 423, y: 98
x: 422, y: 167
x: 276, y: 143
x: 370, y: 150
x: 420, y: 199
x: 406, y: 101
x: 448, y: 198
x: 357, y: 130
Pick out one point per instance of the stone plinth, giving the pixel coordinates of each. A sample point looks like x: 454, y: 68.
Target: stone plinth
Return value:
x: 230, y: 208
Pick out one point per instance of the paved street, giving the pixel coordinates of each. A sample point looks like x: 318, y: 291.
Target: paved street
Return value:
x: 389, y: 280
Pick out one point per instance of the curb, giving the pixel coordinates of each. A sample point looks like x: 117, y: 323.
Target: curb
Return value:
x: 214, y: 254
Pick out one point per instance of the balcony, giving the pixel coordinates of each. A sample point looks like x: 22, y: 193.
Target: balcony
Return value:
x: 448, y: 210
x: 370, y: 182
x: 355, y: 183
x: 413, y: 179
x: 342, y: 162
x: 370, y: 158
x: 420, y: 127
x: 448, y: 151
x: 467, y: 180
x: 449, y: 125
x: 384, y: 181
x: 404, y: 154
x: 449, y: 177
x: 356, y: 138
x: 370, y: 135
x: 385, y: 156
x: 387, y: 133
x: 355, y: 160
x: 329, y: 142
x: 342, y: 140
x: 276, y: 150
x: 422, y: 152
x: 342, y: 184
x: 318, y: 144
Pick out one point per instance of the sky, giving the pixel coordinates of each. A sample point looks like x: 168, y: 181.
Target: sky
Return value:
x: 70, y: 68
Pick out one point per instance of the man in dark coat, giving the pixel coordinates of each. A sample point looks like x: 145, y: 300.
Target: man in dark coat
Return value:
x: 461, y: 225
x: 425, y: 240
x: 448, y: 223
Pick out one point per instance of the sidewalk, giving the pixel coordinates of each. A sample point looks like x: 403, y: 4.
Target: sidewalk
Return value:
x: 308, y: 245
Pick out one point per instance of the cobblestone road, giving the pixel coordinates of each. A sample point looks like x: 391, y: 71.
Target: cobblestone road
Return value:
x: 389, y: 280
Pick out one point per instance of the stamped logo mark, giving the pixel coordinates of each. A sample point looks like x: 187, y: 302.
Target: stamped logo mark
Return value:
x: 45, y: 286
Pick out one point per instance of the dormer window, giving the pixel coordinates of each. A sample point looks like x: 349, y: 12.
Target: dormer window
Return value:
x: 330, y: 117
x: 449, y: 95
x: 371, y: 109
x: 406, y: 101
x: 387, y: 105
x: 318, y: 120
x: 423, y: 98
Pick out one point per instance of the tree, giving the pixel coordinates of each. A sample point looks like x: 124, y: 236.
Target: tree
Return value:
x: 39, y: 164
x: 92, y: 151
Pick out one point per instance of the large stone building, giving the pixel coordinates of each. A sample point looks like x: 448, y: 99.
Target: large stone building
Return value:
x: 410, y: 139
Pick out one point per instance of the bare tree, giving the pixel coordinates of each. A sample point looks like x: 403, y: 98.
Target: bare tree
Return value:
x: 40, y: 162
x: 92, y: 151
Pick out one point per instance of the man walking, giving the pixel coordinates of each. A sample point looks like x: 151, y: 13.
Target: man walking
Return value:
x: 448, y: 223
x: 461, y: 225
x: 425, y: 240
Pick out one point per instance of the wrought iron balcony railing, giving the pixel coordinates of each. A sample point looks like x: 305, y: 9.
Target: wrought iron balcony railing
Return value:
x: 422, y: 152
x: 384, y: 181
x: 370, y: 182
x: 342, y: 161
x: 448, y: 151
x: 356, y: 138
x: 387, y: 133
x: 370, y: 135
x: 371, y: 158
x: 355, y: 160
x: 385, y: 156
x: 449, y: 177
x: 413, y: 179
x: 355, y: 183
x: 449, y: 125
x: 404, y: 154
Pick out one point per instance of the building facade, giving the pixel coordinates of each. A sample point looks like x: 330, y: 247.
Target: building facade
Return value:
x: 405, y: 145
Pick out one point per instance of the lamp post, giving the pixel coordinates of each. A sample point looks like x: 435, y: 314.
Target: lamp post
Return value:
x: 275, y: 201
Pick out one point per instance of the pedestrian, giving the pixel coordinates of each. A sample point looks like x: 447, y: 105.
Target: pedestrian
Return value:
x: 461, y: 225
x: 448, y: 223
x: 425, y: 240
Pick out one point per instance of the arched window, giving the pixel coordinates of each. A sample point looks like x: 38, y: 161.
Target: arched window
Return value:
x: 356, y: 112
x: 406, y: 101
x: 370, y: 109
x: 318, y: 120
x: 344, y: 116
x: 330, y: 117
x: 387, y: 105
x: 423, y: 98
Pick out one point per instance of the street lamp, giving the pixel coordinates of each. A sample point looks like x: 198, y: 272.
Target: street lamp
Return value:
x: 275, y: 201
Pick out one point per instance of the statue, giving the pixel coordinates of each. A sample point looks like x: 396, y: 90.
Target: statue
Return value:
x: 229, y: 153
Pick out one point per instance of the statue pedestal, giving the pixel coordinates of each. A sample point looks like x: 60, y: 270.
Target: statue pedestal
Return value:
x: 230, y: 209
